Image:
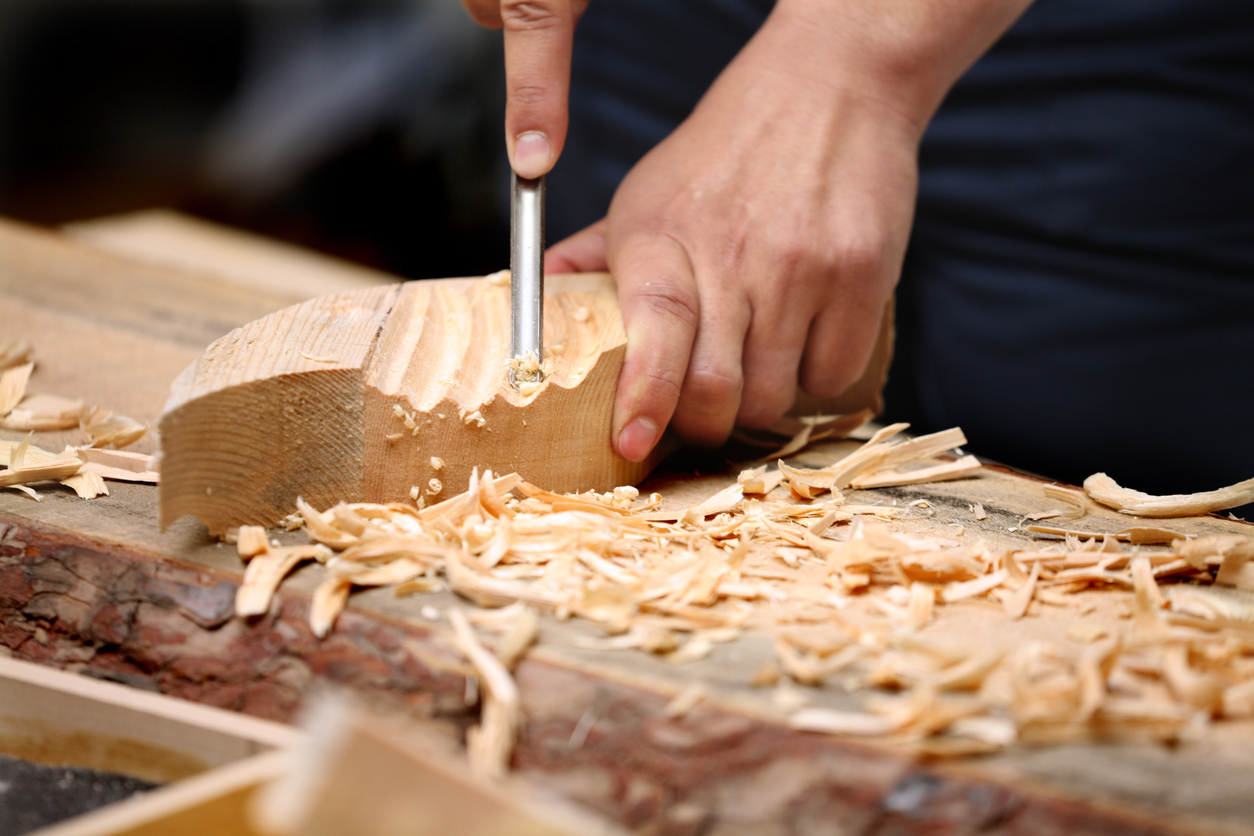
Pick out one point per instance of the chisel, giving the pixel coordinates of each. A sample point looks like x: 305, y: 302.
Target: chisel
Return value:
x: 526, y: 267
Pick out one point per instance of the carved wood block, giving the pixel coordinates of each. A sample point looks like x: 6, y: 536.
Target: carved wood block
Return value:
x: 368, y: 394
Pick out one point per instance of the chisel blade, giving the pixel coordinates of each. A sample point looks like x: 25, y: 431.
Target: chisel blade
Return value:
x: 526, y: 266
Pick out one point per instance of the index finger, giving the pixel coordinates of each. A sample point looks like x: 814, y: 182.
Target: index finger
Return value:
x: 538, y: 37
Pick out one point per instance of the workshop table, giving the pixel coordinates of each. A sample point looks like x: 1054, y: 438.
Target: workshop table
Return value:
x: 97, y: 586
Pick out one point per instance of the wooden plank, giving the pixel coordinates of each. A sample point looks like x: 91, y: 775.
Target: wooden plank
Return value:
x: 52, y: 717
x: 98, y: 585
x: 190, y: 245
x: 369, y: 394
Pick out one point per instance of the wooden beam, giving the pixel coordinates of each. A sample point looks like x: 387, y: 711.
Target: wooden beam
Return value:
x: 371, y: 394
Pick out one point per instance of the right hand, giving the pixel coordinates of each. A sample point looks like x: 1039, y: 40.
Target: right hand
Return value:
x: 538, y: 37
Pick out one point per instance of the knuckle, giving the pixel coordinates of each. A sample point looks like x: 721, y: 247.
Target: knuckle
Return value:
x: 529, y: 15
x: 668, y: 301
x: 529, y: 96
x: 760, y: 408
x: 710, y: 387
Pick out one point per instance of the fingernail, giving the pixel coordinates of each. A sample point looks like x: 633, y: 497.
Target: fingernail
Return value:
x: 531, y: 154
x: 637, y: 439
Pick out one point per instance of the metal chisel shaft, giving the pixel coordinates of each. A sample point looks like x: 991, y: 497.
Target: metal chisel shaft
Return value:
x: 526, y: 266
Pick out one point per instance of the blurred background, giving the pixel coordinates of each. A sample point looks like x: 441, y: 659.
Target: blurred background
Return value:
x: 368, y: 129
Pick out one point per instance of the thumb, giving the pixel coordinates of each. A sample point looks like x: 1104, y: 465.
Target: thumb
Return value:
x: 583, y: 252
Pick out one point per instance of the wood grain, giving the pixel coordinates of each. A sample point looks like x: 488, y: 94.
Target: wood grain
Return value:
x: 369, y: 394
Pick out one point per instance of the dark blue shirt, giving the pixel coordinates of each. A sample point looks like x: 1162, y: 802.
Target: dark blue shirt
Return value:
x: 1078, y: 292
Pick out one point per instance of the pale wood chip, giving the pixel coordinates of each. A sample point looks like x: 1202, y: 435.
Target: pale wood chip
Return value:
x: 1200, y: 690
x: 251, y: 541
x: 13, y: 386
x: 851, y: 723
x: 759, y: 481
x: 329, y: 600
x: 1108, y: 492
x: 1016, y: 603
x: 31, y: 474
x: 119, y: 465
x: 685, y: 701
x: 42, y: 412
x: 491, y: 743
x: 959, y: 469
x: 523, y: 632
x: 86, y: 483
x: 104, y: 429
x: 267, y: 569
x: 1075, y: 501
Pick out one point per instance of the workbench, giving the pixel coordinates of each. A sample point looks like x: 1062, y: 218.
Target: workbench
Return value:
x: 96, y: 586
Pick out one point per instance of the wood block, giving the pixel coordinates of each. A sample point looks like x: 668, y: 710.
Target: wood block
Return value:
x: 366, y: 394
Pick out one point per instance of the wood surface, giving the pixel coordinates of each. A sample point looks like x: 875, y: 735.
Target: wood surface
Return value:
x: 189, y: 245
x: 99, y: 586
x: 57, y: 718
x: 387, y: 394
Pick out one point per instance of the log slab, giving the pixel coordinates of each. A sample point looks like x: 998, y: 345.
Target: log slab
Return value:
x: 165, y: 624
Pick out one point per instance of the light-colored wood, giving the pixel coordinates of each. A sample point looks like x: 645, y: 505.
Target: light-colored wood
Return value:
x: 181, y: 242
x: 215, y: 803
x: 356, y: 773
x: 49, y: 716
x: 369, y: 394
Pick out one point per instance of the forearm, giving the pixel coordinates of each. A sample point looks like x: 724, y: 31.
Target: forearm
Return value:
x: 906, y: 54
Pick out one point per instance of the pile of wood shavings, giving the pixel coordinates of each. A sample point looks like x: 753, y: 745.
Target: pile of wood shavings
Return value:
x: 82, y: 468
x: 958, y: 647
x: 43, y: 412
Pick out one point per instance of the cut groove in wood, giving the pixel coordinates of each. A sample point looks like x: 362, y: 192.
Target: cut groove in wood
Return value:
x: 359, y: 395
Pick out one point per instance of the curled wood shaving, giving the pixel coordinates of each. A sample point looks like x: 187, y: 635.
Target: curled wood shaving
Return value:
x: 104, y: 429
x: 42, y: 412
x: 329, y: 600
x: 1108, y: 492
x: 87, y: 483
x: 1074, y: 500
x: 13, y: 386
x: 959, y: 469
x: 251, y: 541
x: 491, y: 743
x: 267, y: 569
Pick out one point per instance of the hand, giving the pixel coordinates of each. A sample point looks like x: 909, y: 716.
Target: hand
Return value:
x: 755, y: 248
x: 538, y: 36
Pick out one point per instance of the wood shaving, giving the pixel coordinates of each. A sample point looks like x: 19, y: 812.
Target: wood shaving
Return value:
x: 851, y: 596
x: 491, y: 743
x: 40, y: 413
x: 13, y: 386
x: 104, y: 429
x: 119, y: 465
x: 1108, y: 492
x: 24, y: 464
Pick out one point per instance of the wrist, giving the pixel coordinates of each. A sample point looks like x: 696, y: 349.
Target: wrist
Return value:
x: 906, y: 54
